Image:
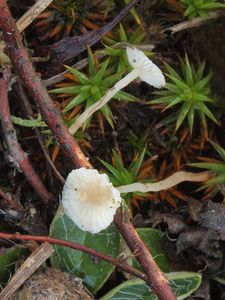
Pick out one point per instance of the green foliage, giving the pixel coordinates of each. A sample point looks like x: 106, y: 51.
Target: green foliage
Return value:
x: 93, y: 272
x: 89, y: 89
x: 182, y: 283
x: 29, y: 123
x: 134, y: 13
x: 154, y: 240
x: 217, y: 168
x: 190, y: 91
x: 139, y: 142
x: 201, y: 8
x: 119, y: 175
x: 114, y: 47
x: 220, y: 278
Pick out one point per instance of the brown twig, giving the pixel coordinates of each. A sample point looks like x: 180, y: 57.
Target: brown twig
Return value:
x: 31, y: 264
x: 21, y: 61
x: 17, y: 155
x: 31, y: 14
x: 59, y: 77
x: 119, y: 264
x: 157, y: 280
x: 11, y: 202
x: 198, y: 21
x: 69, y: 47
x: 29, y: 113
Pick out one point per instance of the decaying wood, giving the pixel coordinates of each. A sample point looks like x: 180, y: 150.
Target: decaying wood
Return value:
x: 31, y: 14
x: 16, y: 155
x: 31, y: 264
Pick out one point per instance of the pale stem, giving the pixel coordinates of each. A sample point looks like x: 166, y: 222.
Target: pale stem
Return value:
x: 165, y: 184
x: 31, y: 14
x: 109, y: 94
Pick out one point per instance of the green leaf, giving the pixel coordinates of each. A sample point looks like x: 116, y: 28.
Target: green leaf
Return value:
x: 135, y: 166
x: 173, y: 102
x: 75, y: 101
x: 100, y: 74
x: 202, y: 83
x: 207, y: 112
x: 188, y: 71
x: 137, y: 37
x: 212, y: 5
x: 154, y: 240
x: 81, y: 76
x: 218, y: 149
x: 199, y: 74
x: 123, y: 37
x: 215, y: 167
x: 108, y: 114
x: 173, y: 88
x: 91, y: 63
x: 191, y: 115
x: 112, y: 170
x: 220, y: 278
x: 123, y: 96
x: 182, y: 283
x: 219, y: 179
x: 110, y: 80
x: 182, y: 113
x: 67, y: 90
x: 92, y: 271
x: 28, y: 123
x: 172, y: 72
x: 117, y: 161
x: 201, y: 98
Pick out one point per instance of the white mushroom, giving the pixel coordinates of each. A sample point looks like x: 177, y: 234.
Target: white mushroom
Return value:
x: 143, y: 68
x: 90, y: 200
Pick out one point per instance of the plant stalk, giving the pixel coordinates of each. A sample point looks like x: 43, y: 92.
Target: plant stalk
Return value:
x: 109, y: 95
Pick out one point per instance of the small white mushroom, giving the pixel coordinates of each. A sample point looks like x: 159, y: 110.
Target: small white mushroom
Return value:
x: 90, y: 200
x: 143, y: 68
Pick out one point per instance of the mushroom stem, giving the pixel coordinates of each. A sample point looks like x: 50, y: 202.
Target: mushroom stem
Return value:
x: 165, y: 184
x: 109, y: 94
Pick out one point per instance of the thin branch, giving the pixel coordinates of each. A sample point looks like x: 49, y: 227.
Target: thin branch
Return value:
x: 29, y: 113
x: 158, y: 281
x: 69, y: 47
x: 21, y: 61
x: 17, y: 155
x: 59, y: 77
x: 194, y: 22
x: 11, y: 202
x: 31, y: 264
x: 31, y: 14
x: 121, y: 265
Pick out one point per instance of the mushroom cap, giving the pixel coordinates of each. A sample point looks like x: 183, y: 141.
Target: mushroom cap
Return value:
x: 147, y: 70
x: 90, y: 200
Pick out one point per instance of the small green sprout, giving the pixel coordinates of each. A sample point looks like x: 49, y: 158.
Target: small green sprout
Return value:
x: 218, y: 167
x: 191, y: 91
x: 195, y: 8
x: 114, y: 47
x: 119, y: 175
x: 139, y: 142
x: 89, y: 89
